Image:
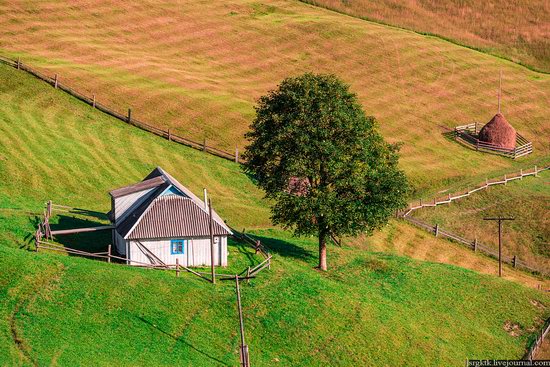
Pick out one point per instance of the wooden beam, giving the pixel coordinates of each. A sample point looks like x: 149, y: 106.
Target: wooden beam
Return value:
x: 81, y: 230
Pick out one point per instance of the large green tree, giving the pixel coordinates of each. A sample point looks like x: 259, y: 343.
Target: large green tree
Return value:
x: 321, y: 161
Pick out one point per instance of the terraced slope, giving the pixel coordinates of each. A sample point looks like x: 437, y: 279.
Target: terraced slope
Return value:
x: 518, y: 30
x: 199, y: 66
x: 54, y: 308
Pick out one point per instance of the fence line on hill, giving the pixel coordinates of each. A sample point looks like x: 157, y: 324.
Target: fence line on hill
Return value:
x: 450, y: 197
x: 475, y: 245
x: 92, y: 101
x: 534, y: 347
x: 43, y: 236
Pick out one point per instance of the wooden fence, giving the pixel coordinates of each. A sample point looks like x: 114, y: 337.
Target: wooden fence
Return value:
x: 472, y: 244
x: 43, y: 236
x: 468, y: 134
x: 127, y: 118
x: 452, y: 197
x: 534, y: 347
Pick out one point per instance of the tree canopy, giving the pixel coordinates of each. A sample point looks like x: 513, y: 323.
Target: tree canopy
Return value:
x: 321, y: 161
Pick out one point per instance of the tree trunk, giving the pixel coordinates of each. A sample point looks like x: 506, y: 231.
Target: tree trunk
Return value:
x: 322, y: 250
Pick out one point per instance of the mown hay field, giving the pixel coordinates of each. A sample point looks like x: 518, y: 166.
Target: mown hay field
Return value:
x: 198, y: 67
x: 62, y: 310
x: 518, y: 30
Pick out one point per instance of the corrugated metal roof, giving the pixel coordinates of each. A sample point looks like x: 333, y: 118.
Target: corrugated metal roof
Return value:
x: 174, y: 216
x: 159, y: 172
x: 129, y: 222
x: 140, y: 186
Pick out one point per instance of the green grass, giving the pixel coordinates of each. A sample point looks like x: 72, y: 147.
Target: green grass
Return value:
x: 372, y: 308
x: 527, y: 200
x: 369, y: 308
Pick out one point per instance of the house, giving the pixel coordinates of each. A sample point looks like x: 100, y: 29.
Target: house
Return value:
x: 158, y: 220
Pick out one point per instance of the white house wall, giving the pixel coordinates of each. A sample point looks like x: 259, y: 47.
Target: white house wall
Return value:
x: 197, y: 252
x: 126, y: 204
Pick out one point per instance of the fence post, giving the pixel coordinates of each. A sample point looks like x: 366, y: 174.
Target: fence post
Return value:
x: 420, y: 201
x: 204, y: 145
x: 55, y: 85
x: 536, y: 172
x: 514, y: 261
x: 449, y: 198
x: 236, y: 154
x: 169, y: 135
x: 177, y: 267
x: 475, y: 244
x: 521, y: 173
x: 129, y: 115
x: 477, y: 145
x: 18, y: 63
x: 436, y: 229
x: 93, y: 101
x: 435, y: 201
x: 248, y: 275
x: 505, y: 180
x: 109, y: 253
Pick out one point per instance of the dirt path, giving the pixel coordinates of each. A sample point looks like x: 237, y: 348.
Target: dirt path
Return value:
x: 42, y: 285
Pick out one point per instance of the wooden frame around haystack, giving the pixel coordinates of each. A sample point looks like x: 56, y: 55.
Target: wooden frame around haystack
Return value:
x: 468, y: 135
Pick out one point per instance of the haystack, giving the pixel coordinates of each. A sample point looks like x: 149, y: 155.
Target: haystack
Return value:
x: 499, y: 132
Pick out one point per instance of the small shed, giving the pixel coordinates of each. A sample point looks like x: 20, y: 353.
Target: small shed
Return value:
x: 499, y: 132
x: 158, y: 220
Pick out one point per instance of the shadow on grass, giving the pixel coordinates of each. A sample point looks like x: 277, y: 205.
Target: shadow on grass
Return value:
x: 181, y: 340
x: 86, y: 241
x: 244, y: 249
x: 284, y: 248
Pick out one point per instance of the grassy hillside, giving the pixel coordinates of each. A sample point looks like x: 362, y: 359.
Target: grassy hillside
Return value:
x: 371, y: 309
x: 527, y: 200
x: 518, y: 30
x: 199, y: 66
x: 62, y: 310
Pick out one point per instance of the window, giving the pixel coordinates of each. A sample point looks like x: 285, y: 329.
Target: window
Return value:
x: 177, y: 247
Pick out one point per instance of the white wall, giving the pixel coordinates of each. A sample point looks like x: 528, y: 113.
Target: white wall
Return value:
x: 196, y: 253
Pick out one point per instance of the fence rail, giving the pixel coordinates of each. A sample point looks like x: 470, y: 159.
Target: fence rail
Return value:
x: 44, y: 234
x: 473, y: 244
x: 534, y: 347
x: 452, y: 197
x: 468, y: 134
x: 127, y: 118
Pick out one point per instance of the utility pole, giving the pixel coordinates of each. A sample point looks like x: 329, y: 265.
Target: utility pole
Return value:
x: 500, y: 220
x: 211, y: 242
x: 499, y: 89
x: 245, y: 360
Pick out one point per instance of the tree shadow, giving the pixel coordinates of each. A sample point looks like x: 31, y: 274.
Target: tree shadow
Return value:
x: 284, y: 248
x: 181, y: 340
x: 86, y: 241
x: 243, y: 249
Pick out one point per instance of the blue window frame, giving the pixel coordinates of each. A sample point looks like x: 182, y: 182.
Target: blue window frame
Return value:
x: 177, y: 247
